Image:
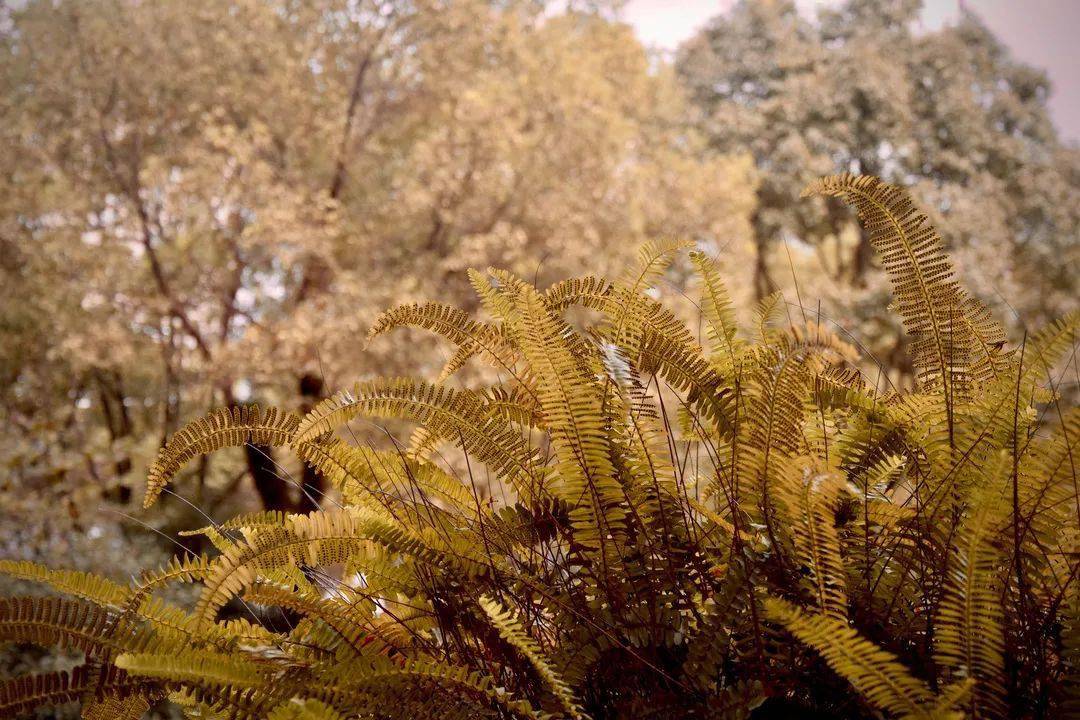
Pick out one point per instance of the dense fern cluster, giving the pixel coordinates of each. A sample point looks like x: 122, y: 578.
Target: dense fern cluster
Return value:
x: 745, y: 529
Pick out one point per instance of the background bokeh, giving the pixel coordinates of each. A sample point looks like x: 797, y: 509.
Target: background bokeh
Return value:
x: 205, y: 202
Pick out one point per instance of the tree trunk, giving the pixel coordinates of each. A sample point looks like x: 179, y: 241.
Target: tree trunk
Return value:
x: 313, y: 485
x: 272, y: 488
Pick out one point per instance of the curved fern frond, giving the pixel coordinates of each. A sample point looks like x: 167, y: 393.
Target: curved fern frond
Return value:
x: 226, y: 427
x: 574, y: 418
x: 53, y: 621
x: 651, y: 337
x: 811, y: 496
x: 718, y: 310
x: 186, y: 569
x: 969, y: 632
x: 875, y: 673
x: 383, y: 478
x: 953, y: 337
x: 87, y: 586
x: 199, y: 667
x: 471, y: 336
x: 511, y: 630
x: 653, y: 259
x: 321, y: 539
x: 457, y: 416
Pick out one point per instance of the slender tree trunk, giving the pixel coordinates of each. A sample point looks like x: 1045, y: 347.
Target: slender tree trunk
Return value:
x: 313, y: 485
x: 272, y: 488
x: 861, y: 259
x: 763, y: 282
x: 118, y: 422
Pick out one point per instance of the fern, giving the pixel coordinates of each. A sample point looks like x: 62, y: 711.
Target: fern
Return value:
x: 953, y: 337
x: 512, y: 631
x: 971, y: 639
x: 875, y: 673
x: 605, y: 526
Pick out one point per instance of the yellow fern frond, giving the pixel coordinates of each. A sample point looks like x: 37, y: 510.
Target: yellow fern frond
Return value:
x: 511, y: 630
x: 953, y: 337
x: 574, y: 418
x: 198, y: 667
x: 810, y: 495
x: 969, y: 628
x: 226, y: 427
x: 875, y: 673
x: 717, y: 309
x: 383, y: 478
x: 457, y: 416
x: 471, y: 336
x: 87, y: 586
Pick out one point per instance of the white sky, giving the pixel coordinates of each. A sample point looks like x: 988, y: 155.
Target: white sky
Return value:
x: 1042, y: 33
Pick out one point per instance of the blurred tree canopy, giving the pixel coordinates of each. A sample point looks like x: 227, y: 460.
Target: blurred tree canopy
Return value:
x: 948, y: 113
x: 206, y: 202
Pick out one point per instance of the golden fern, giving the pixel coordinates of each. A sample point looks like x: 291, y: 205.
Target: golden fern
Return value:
x: 875, y: 673
x: 227, y: 427
x: 605, y: 528
x: 970, y: 640
x: 953, y: 337
x: 511, y: 630
x: 457, y: 416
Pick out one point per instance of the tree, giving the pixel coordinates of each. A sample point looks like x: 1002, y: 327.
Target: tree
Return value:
x: 949, y: 113
x: 211, y: 201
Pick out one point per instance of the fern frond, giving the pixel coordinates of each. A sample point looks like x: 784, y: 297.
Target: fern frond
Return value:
x: 347, y: 614
x: 54, y: 621
x: 811, y: 495
x: 382, y: 680
x: 589, y: 290
x: 653, y: 259
x: 320, y: 539
x: 969, y: 628
x: 767, y: 312
x: 111, y: 707
x: 382, y: 478
x: 650, y: 337
x: 718, y: 310
x: 199, y: 667
x: 574, y: 418
x: 511, y: 630
x: 226, y: 427
x: 953, y: 337
x: 184, y: 569
x: 516, y: 404
x: 96, y: 589
x: 457, y: 416
x: 875, y: 673
x: 471, y: 336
